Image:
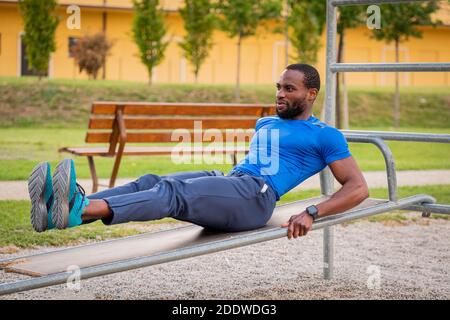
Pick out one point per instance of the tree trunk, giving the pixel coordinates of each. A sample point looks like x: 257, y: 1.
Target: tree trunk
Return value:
x: 237, y: 94
x: 104, y: 21
x: 397, y: 91
x: 150, y: 75
x: 345, y: 116
x: 286, y: 36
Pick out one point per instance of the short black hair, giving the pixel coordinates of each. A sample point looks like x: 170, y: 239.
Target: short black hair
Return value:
x: 312, y: 77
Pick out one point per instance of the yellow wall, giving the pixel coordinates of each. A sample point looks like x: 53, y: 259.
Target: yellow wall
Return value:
x: 262, y: 55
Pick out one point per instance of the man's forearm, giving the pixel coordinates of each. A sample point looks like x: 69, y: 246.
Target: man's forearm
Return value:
x: 349, y: 196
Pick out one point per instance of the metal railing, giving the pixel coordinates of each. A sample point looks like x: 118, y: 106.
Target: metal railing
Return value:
x: 332, y: 67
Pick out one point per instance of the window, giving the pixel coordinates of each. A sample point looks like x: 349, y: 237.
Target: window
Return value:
x: 72, y: 42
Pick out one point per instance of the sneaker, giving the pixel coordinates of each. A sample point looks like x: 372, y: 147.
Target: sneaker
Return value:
x: 70, y: 199
x: 41, y: 196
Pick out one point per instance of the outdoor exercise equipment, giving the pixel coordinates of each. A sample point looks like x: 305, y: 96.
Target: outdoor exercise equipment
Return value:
x: 154, y: 248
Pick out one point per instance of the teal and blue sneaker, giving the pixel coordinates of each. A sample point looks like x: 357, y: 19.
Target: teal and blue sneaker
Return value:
x: 69, y: 196
x: 41, y: 195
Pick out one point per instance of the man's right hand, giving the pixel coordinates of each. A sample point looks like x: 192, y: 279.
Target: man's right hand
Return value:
x: 298, y: 225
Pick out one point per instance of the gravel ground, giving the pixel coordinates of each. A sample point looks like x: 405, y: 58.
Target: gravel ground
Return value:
x: 408, y: 260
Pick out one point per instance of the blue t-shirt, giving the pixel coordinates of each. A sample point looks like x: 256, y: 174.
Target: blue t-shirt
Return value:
x: 287, y: 152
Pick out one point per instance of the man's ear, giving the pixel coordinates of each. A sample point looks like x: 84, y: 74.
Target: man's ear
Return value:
x: 312, y: 94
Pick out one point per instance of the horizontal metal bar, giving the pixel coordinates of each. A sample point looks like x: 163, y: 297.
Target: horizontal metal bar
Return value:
x: 399, y: 136
x: 391, y: 67
x: 361, y: 2
x: 430, y: 208
x: 216, y: 246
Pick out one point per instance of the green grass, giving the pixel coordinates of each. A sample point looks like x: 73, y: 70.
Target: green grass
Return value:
x: 22, y: 148
x: 16, y: 230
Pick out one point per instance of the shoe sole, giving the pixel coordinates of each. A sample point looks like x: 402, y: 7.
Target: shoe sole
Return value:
x: 61, y: 184
x: 36, y: 190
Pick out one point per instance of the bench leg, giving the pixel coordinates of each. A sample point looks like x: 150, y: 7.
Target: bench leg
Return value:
x: 112, y: 181
x: 93, y: 174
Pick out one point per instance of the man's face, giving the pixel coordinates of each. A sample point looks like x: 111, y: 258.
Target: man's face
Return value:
x: 292, y: 96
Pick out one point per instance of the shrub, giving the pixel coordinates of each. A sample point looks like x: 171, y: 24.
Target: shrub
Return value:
x: 90, y: 53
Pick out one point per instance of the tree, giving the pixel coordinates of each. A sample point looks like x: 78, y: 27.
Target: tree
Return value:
x: 398, y: 23
x: 40, y: 23
x: 349, y: 17
x: 241, y: 18
x: 199, y: 22
x: 90, y: 53
x: 149, y: 30
x: 306, y: 20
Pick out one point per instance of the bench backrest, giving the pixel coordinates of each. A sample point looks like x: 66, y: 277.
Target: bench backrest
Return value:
x: 144, y: 122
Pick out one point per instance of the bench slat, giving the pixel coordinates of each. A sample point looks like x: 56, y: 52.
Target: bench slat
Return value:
x: 171, y: 123
x: 155, y: 137
x: 97, y: 137
x: 156, y: 150
x: 194, y: 109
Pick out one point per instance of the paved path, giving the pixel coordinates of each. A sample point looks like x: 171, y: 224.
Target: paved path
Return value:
x: 17, y: 190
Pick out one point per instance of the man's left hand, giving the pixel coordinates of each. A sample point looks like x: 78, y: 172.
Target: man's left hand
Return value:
x: 298, y: 225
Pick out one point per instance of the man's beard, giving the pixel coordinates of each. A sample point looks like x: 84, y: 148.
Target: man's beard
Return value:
x: 292, y: 110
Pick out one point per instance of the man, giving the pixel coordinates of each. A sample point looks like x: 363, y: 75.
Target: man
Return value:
x: 299, y: 146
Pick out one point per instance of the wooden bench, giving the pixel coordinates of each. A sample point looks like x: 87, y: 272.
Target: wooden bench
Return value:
x: 117, y: 123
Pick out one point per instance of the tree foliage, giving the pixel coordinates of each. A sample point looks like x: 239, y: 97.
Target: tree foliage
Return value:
x: 400, y: 21
x: 241, y: 18
x: 149, y: 30
x: 199, y: 23
x: 306, y: 21
x: 40, y: 23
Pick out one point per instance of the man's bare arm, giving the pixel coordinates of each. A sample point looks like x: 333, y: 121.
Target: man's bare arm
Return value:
x: 354, y: 190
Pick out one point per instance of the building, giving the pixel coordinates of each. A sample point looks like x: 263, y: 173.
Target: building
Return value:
x: 262, y: 55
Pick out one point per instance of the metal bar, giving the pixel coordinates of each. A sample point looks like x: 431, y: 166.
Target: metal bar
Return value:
x: 400, y: 136
x: 430, y: 208
x: 388, y: 159
x: 391, y: 67
x: 362, y: 213
x: 326, y: 184
x: 330, y: 95
x: 216, y: 246
x: 361, y: 2
x: 326, y: 178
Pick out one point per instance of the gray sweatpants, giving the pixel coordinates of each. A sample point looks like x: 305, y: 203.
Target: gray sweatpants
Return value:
x: 236, y: 202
